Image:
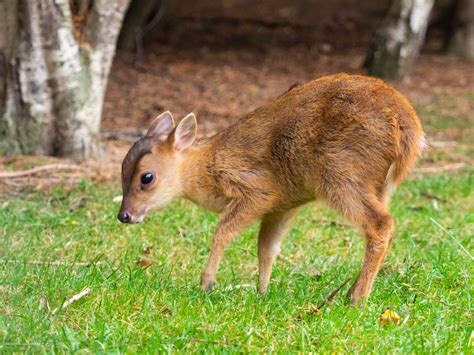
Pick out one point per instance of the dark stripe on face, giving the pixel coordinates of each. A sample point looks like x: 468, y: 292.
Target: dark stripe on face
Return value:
x: 137, y: 151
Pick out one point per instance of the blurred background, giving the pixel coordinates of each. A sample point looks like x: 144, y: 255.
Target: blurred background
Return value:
x: 222, y: 59
x: 83, y: 78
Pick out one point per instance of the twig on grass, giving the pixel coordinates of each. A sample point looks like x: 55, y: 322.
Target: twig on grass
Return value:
x: 73, y: 299
x: 50, y: 263
x: 313, y: 309
x: 333, y: 293
x: 38, y: 169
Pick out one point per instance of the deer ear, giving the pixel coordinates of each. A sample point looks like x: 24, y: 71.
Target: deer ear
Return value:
x: 185, y: 133
x: 161, y: 127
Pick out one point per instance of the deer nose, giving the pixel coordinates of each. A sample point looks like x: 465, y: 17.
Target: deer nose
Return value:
x: 124, y: 217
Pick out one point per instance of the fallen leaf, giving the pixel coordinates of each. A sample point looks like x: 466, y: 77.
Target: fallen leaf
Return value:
x: 389, y: 316
x: 144, y: 263
x: 144, y: 260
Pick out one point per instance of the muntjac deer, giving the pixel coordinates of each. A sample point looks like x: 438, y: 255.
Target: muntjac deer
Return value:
x: 346, y: 139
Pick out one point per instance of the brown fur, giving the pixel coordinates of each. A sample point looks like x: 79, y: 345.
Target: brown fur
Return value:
x: 345, y: 139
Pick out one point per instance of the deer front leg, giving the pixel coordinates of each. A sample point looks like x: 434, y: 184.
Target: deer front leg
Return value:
x: 237, y: 217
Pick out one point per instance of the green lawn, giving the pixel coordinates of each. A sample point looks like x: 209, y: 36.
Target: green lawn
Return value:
x: 427, y: 278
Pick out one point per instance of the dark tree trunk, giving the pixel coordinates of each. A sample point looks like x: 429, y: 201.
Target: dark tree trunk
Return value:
x: 399, y: 42
x: 137, y: 19
x: 55, y: 57
x: 461, y: 34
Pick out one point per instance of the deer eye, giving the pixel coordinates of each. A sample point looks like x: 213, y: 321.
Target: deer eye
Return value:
x: 146, y: 178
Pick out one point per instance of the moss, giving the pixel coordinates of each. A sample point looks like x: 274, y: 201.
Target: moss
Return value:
x: 8, y: 143
x: 386, y: 64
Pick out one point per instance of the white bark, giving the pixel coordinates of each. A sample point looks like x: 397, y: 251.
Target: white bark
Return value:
x: 400, y: 40
x: 55, y: 83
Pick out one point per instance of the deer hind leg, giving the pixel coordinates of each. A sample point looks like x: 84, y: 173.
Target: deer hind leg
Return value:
x: 390, y: 186
x: 370, y: 214
x: 378, y: 230
x: 272, y: 230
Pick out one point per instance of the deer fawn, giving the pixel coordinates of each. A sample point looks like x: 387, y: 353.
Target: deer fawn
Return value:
x: 346, y: 139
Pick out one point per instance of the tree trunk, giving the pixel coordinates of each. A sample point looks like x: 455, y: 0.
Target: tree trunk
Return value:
x: 399, y: 41
x: 461, y: 38
x: 55, y: 57
x: 135, y: 21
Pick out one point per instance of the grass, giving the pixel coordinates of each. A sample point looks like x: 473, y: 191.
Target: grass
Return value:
x: 427, y: 278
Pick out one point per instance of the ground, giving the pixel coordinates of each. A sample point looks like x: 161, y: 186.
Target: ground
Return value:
x: 59, y: 233
x: 221, y: 77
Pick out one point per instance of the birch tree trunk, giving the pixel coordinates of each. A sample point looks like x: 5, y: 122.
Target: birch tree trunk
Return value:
x: 399, y: 42
x: 461, y: 39
x: 55, y: 57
